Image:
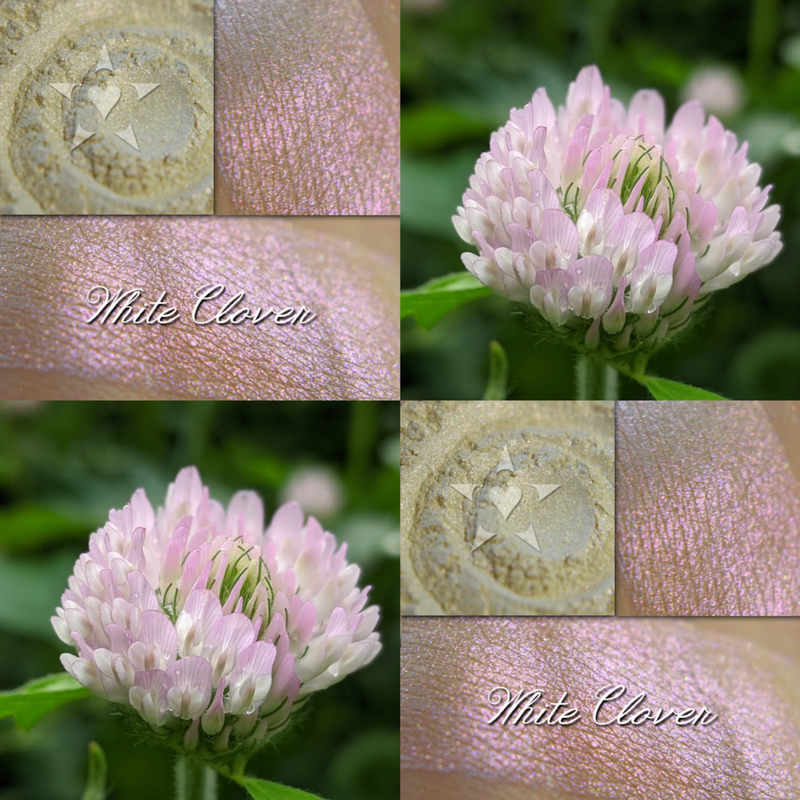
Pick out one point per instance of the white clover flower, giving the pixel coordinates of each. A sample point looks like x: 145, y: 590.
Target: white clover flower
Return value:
x: 317, y: 489
x: 210, y: 628
x: 717, y: 88
x: 612, y: 227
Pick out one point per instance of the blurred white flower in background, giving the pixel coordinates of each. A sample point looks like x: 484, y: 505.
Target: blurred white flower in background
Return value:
x: 317, y: 489
x: 718, y: 88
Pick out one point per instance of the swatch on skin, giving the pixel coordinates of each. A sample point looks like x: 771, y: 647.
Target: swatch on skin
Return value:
x: 708, y: 509
x: 308, y: 108
x: 450, y: 665
x: 48, y: 351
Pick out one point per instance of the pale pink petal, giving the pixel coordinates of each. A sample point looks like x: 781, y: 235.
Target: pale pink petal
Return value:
x: 651, y: 281
x: 485, y: 271
x: 157, y: 629
x: 200, y: 614
x: 189, y: 682
x: 251, y: 681
x: 558, y: 228
x: 543, y: 113
x: 542, y: 193
x: 585, y: 93
x: 171, y: 569
x: 246, y: 516
x: 549, y: 295
x: 592, y: 286
x: 603, y: 211
x: 225, y: 641
x: 614, y: 318
x: 646, y: 114
x: 149, y: 696
x: 214, y: 718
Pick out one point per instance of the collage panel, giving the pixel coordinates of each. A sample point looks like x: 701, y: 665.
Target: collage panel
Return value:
x: 308, y: 107
x: 107, y: 107
x: 507, y: 508
x: 708, y: 509
x: 605, y: 195
x: 236, y: 603
x: 577, y: 709
x: 222, y: 308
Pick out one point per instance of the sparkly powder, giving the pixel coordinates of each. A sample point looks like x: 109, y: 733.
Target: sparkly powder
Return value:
x: 445, y: 567
x: 49, y: 265
x: 76, y: 137
x: 307, y: 110
x: 708, y: 510
x: 751, y: 752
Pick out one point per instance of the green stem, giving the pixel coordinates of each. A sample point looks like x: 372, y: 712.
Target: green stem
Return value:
x: 764, y: 31
x: 596, y: 380
x: 194, y: 780
x: 361, y: 439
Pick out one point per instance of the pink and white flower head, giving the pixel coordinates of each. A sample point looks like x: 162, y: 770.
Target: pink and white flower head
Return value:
x: 610, y: 225
x: 208, y: 627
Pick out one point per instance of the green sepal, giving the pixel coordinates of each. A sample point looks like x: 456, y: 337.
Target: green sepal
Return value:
x: 96, y: 783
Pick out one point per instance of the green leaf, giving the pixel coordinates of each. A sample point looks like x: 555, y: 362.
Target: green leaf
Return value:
x: 31, y: 701
x: 266, y: 790
x: 497, y: 388
x: 96, y: 785
x: 662, y: 389
x: 431, y: 301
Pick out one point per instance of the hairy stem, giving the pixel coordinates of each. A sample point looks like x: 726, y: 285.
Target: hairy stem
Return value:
x: 595, y: 379
x: 194, y: 780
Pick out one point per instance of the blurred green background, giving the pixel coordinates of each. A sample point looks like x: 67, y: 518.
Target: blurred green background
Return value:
x: 64, y: 465
x: 466, y: 63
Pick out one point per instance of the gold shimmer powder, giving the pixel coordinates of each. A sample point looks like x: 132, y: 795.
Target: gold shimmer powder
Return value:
x: 507, y: 508
x: 106, y: 107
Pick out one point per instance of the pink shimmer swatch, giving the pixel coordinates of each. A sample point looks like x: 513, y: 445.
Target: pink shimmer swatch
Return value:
x: 750, y: 752
x: 308, y: 110
x: 49, y: 265
x: 708, y: 512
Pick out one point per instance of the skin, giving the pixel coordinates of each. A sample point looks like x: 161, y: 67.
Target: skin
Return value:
x: 307, y: 107
x: 50, y: 352
x: 449, y: 751
x: 708, y: 503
